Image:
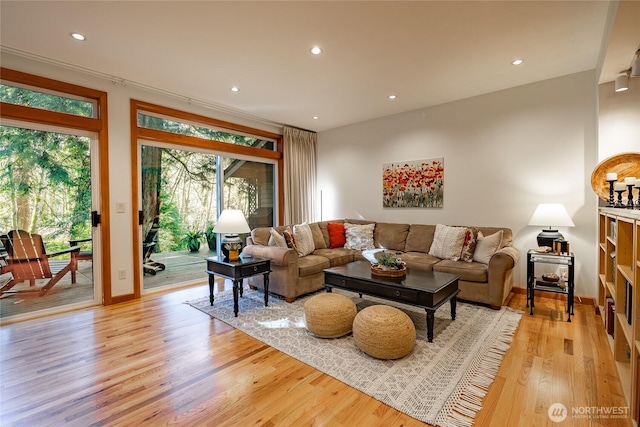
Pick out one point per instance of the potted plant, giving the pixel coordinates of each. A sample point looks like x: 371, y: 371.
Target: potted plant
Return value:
x: 211, y: 237
x: 193, y: 239
x: 389, y: 264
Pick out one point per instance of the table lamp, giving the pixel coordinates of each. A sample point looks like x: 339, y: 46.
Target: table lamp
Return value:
x: 231, y: 223
x: 551, y: 215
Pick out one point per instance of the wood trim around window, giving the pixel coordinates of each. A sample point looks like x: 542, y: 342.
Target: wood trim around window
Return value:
x: 138, y: 133
x: 99, y: 125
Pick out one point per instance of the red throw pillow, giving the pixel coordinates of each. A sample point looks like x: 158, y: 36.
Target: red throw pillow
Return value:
x: 337, y: 238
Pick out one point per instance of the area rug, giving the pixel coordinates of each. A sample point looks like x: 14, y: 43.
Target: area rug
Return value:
x: 441, y: 383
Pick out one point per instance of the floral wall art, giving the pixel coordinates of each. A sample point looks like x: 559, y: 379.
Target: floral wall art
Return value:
x: 413, y: 184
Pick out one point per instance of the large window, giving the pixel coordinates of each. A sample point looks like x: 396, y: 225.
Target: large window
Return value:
x: 190, y: 169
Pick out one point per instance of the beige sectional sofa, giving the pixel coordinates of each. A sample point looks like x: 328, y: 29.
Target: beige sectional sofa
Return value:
x: 294, y: 275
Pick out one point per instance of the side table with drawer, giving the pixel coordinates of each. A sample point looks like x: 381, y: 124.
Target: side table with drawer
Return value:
x: 236, y: 271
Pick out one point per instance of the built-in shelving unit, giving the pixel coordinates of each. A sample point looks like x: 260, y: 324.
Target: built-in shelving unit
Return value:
x: 618, y: 301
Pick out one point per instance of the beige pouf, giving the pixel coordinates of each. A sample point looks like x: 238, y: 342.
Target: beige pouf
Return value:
x: 384, y: 332
x: 329, y: 315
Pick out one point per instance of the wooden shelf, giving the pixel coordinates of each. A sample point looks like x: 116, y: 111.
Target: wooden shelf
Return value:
x: 626, y: 272
x: 619, y: 233
x: 627, y: 331
x: 624, y: 371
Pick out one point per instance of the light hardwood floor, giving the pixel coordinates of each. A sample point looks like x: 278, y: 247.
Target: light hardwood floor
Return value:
x: 158, y: 361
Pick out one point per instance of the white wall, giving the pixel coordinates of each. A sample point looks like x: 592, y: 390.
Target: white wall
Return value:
x: 619, y: 119
x: 504, y: 153
x: 119, y: 150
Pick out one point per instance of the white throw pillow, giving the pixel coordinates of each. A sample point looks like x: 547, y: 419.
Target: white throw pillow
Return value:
x: 447, y: 242
x: 487, y: 246
x: 304, y: 239
x: 359, y: 236
x: 277, y: 239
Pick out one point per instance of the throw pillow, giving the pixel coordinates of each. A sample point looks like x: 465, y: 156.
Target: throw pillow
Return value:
x: 276, y: 239
x: 487, y: 246
x: 337, y: 237
x: 304, y: 239
x: 469, y: 246
x: 359, y: 236
x: 288, y: 237
x: 447, y: 242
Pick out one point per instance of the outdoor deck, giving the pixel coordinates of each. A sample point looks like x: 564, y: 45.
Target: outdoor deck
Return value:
x: 182, y: 266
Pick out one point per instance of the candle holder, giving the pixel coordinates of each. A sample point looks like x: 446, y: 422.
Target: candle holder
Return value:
x: 638, y: 201
x: 619, y: 203
x: 630, y: 197
x: 611, y: 181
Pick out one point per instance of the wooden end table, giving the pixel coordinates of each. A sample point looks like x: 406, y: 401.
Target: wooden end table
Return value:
x: 236, y: 271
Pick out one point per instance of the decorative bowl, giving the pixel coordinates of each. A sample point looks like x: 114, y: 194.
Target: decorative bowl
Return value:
x: 550, y: 277
x: 388, y: 272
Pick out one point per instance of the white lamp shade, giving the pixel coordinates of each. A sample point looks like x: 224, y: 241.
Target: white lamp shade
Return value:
x: 551, y: 215
x: 231, y: 221
x: 622, y: 83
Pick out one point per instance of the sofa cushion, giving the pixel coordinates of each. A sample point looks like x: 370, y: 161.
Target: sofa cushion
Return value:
x: 419, y: 238
x: 469, y: 271
x: 390, y: 236
x: 487, y: 246
x: 419, y: 260
x: 359, y: 236
x: 338, y: 256
x: 303, y: 239
x: 261, y: 235
x: 312, y: 264
x: 447, y: 242
x: 318, y: 237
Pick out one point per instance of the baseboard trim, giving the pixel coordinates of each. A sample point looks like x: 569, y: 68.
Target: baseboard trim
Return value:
x: 576, y: 298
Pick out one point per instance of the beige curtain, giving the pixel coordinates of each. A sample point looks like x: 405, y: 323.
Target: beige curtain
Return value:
x: 299, y: 175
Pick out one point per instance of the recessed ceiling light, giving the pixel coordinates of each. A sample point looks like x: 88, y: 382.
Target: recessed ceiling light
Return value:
x: 517, y: 61
x: 235, y: 89
x: 316, y: 50
x: 78, y: 36
x: 392, y: 96
x: 315, y: 117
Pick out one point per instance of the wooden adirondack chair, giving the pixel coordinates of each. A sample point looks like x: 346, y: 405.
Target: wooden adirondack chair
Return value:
x: 28, y: 260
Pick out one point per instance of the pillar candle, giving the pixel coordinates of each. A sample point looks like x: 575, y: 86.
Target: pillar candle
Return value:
x: 612, y: 176
x: 619, y: 186
x: 630, y: 180
x: 637, y: 183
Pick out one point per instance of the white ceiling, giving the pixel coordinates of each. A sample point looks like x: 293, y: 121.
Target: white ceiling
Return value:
x: 425, y: 52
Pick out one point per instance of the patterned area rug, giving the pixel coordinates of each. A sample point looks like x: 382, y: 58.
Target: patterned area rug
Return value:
x: 441, y: 383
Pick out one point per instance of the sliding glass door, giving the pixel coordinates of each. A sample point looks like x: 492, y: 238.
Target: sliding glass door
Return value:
x: 182, y: 192
x: 46, y: 178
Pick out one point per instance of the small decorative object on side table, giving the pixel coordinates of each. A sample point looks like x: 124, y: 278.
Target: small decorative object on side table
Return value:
x: 550, y: 282
x: 236, y: 271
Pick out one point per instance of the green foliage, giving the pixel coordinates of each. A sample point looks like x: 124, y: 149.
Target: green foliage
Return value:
x: 171, y: 226
x: 390, y: 259
x: 44, y: 182
x: 193, y: 239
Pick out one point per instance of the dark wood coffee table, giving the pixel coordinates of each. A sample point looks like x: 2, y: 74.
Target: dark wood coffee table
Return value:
x: 426, y: 289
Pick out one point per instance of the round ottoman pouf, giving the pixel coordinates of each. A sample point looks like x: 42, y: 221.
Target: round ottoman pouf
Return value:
x: 329, y: 315
x: 384, y: 332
